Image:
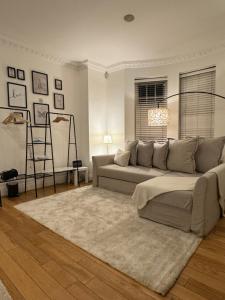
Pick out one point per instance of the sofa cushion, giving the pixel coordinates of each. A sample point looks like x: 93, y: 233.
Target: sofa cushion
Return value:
x: 145, y: 153
x: 132, y: 147
x: 122, y: 158
x: 160, y: 155
x: 179, y: 199
x: 209, y: 153
x: 181, y: 156
x: 131, y: 174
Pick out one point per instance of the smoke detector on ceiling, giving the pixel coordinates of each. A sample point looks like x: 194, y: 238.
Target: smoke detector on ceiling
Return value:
x: 129, y: 18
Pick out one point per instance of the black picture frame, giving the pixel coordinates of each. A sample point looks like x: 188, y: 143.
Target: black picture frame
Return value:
x: 57, y: 99
x: 19, y: 92
x: 11, y: 71
x: 40, y: 116
x: 20, y: 74
x: 40, y: 83
x: 58, y: 84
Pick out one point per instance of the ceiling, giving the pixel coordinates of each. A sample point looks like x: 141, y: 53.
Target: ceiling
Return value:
x: 94, y: 29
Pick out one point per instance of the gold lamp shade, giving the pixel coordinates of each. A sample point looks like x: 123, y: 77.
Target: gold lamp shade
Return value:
x: 158, y: 116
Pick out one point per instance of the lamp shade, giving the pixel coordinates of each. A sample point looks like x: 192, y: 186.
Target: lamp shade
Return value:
x: 107, y: 139
x: 158, y: 116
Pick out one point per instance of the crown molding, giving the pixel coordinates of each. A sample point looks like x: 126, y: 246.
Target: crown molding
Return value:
x: 92, y: 65
x: 8, y: 42
x: 164, y: 61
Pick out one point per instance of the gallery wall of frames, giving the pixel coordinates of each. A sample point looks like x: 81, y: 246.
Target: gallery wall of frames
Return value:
x: 17, y: 91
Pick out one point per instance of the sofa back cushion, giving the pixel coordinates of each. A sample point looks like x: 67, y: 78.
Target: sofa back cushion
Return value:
x: 181, y: 156
x: 209, y: 153
x: 160, y: 155
x: 122, y: 158
x: 132, y: 147
x: 145, y: 153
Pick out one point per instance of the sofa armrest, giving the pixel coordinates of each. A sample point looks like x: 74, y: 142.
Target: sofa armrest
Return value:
x: 98, y: 161
x: 206, y: 209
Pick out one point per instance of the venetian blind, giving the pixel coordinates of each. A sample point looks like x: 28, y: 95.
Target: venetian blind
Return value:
x: 148, y: 95
x: 197, y: 110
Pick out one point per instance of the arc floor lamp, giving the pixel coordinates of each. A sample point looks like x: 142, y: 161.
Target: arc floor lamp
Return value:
x: 158, y: 116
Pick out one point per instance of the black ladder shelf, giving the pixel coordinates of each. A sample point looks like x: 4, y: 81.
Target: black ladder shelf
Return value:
x: 32, y: 143
x: 72, y: 131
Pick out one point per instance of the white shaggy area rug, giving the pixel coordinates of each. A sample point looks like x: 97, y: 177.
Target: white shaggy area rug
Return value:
x: 4, y: 295
x: 106, y: 224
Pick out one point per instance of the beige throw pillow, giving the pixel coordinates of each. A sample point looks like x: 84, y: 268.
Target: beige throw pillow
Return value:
x: 122, y: 158
x: 209, y: 153
x: 145, y: 153
x: 160, y: 155
x: 181, y: 156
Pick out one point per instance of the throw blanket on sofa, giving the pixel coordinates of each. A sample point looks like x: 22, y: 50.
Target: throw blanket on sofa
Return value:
x: 220, y: 173
x: 147, y: 190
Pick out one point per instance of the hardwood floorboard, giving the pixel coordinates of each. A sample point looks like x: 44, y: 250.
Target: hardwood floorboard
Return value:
x: 59, y: 274
x: 14, y: 292
x: 104, y: 291
x: 35, y: 252
x: 81, y: 291
x: 36, y: 263
x: 204, y: 290
x: 48, y: 284
x: 26, y: 286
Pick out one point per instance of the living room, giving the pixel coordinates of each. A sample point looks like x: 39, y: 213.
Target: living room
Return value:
x: 112, y: 149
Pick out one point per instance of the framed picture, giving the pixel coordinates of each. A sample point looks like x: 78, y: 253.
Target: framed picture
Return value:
x: 58, y: 84
x: 17, y: 95
x: 40, y: 111
x: 20, y: 74
x: 58, y: 101
x: 39, y: 83
x: 11, y: 72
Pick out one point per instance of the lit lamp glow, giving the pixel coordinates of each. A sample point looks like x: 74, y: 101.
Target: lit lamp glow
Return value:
x: 158, y: 116
x: 107, y: 140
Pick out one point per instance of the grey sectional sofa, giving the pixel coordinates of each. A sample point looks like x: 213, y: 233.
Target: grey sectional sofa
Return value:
x: 197, y: 211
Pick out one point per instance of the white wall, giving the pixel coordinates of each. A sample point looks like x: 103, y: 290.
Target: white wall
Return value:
x: 172, y: 72
x: 12, y: 137
x: 97, y: 112
x: 116, y: 109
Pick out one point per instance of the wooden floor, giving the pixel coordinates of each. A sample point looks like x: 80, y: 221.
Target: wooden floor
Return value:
x: 36, y: 263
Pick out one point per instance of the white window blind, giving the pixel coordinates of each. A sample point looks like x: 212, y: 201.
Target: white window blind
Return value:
x: 149, y: 95
x: 197, y: 110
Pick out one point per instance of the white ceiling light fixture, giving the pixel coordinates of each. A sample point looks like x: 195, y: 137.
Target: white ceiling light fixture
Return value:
x: 129, y: 18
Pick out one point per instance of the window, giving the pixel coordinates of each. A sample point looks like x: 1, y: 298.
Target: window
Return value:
x: 197, y: 110
x: 149, y: 95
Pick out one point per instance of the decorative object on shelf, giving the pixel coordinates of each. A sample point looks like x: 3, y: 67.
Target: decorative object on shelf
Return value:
x: 39, y: 83
x: 77, y: 163
x: 11, y: 72
x: 58, y: 101
x: 40, y: 112
x: 158, y: 116
x: 58, y: 84
x: 59, y: 119
x: 38, y: 140
x: 7, y: 175
x: 20, y: 74
x: 107, y: 140
x: 17, y: 95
